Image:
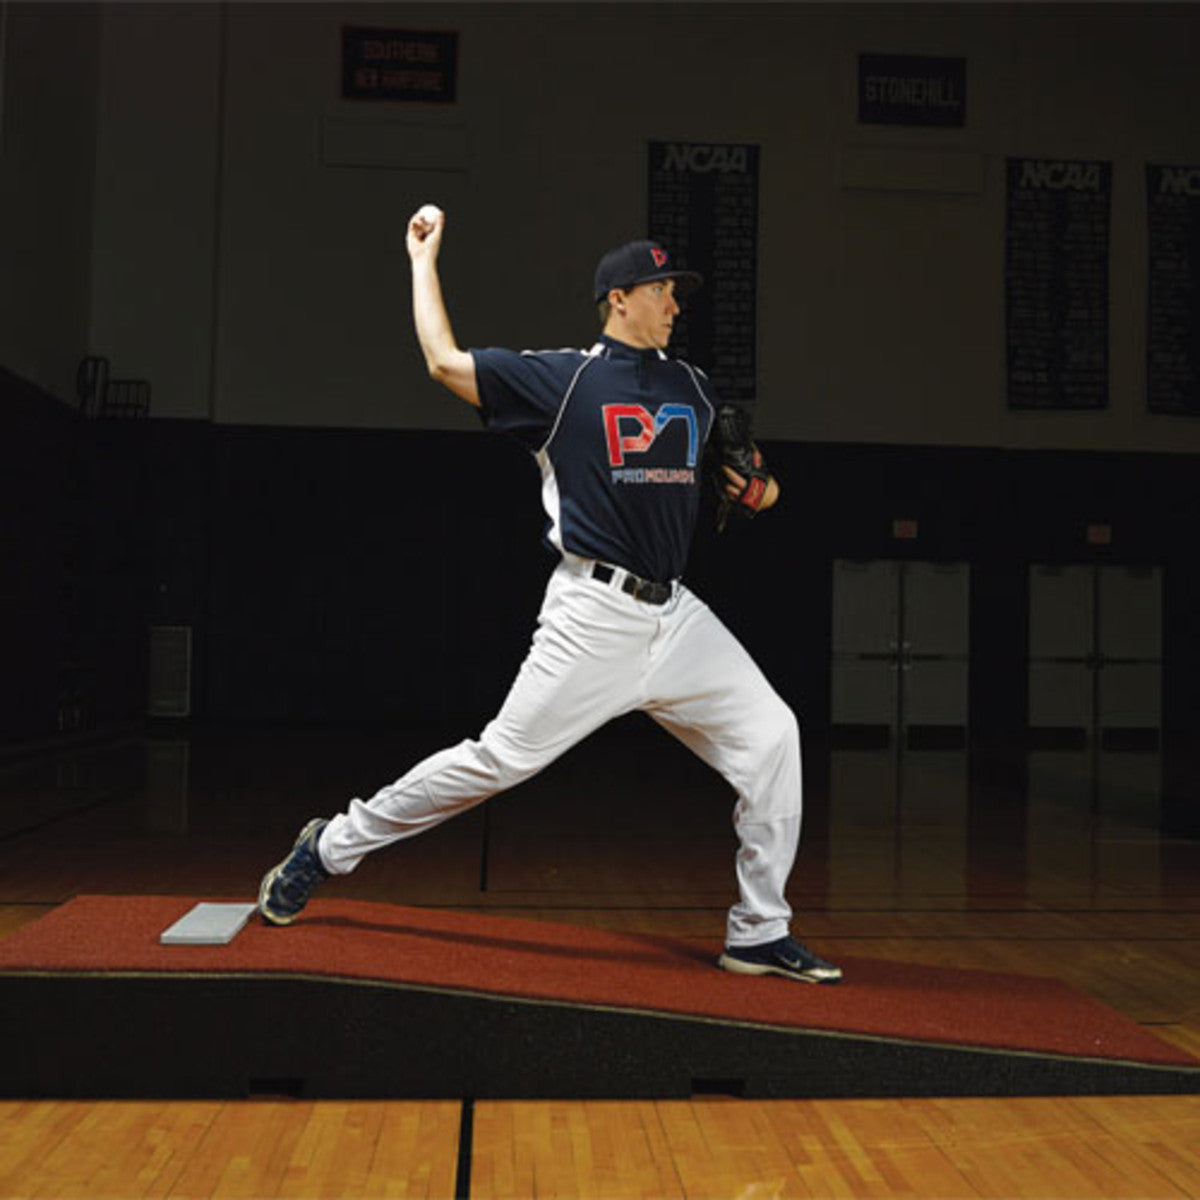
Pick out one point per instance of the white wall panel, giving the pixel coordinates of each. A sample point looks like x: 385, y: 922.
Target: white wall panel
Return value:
x: 881, y: 306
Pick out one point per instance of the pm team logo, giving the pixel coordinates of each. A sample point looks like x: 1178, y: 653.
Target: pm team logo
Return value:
x: 659, y: 255
x: 631, y: 429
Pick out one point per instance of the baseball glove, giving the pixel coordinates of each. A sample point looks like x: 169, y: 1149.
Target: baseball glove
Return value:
x: 731, y: 445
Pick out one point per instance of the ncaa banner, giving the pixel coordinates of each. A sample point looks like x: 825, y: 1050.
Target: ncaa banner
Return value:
x: 703, y: 208
x: 1056, y: 241
x: 1173, y: 299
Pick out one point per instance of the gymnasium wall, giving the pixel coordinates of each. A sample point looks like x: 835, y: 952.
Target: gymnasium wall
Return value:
x: 343, y: 542
x: 249, y: 223
x: 49, y: 78
x: 76, y: 565
x: 333, y: 598
x: 323, y: 585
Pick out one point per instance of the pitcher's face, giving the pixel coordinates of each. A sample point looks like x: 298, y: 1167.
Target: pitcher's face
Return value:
x: 647, y: 313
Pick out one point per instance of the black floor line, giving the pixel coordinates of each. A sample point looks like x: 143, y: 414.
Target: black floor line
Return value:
x: 466, y: 1138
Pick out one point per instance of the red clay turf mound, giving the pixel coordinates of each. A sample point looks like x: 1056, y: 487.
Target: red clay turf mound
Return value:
x: 417, y: 947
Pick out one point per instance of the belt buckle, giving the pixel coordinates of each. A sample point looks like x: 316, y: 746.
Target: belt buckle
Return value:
x: 650, y: 591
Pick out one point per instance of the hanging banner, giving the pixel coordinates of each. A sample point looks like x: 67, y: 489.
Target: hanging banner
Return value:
x: 910, y: 89
x: 399, y: 64
x: 1173, y: 302
x: 703, y: 208
x: 1056, y: 283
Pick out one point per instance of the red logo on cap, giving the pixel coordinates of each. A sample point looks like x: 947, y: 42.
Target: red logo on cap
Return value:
x: 659, y: 256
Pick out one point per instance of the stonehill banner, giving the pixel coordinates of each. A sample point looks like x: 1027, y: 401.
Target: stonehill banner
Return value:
x: 1056, y: 247
x: 908, y: 89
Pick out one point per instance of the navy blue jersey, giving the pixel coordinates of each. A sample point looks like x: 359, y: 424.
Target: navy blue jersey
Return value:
x: 619, y: 434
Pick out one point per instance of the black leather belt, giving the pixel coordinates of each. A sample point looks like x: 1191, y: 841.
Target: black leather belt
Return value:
x: 639, y: 589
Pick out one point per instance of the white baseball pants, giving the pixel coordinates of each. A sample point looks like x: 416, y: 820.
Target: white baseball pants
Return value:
x: 599, y: 653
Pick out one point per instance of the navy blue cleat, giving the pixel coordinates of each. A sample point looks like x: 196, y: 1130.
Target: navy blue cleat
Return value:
x: 286, y: 888
x: 786, y: 957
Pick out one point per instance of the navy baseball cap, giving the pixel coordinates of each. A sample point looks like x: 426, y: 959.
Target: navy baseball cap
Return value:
x: 640, y: 262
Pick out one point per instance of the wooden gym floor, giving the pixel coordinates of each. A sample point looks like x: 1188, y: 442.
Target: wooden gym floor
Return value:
x: 1076, y: 864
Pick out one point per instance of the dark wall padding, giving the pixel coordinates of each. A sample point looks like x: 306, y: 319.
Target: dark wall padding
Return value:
x: 346, y: 576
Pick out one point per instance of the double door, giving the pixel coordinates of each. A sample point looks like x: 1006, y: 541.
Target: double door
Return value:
x: 901, y: 649
x: 1095, y: 650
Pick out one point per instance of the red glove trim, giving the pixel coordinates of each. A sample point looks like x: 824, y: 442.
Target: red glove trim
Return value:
x: 754, y: 494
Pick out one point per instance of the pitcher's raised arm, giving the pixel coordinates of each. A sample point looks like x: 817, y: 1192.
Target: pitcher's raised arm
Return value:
x: 446, y: 361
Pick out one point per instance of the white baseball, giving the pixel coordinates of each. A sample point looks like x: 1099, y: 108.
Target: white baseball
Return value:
x: 429, y: 213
